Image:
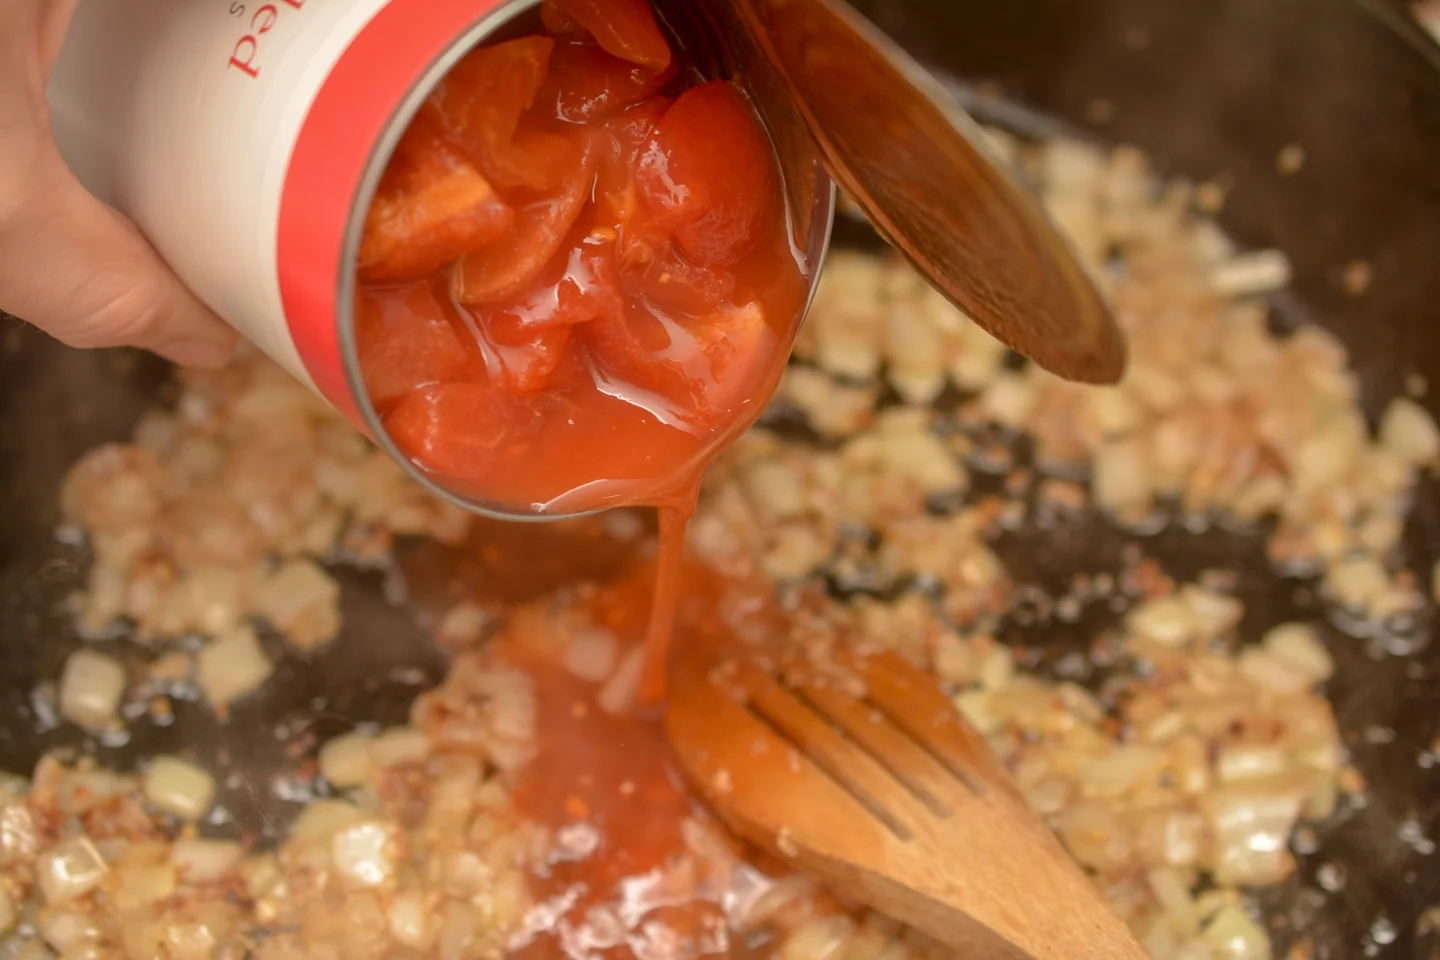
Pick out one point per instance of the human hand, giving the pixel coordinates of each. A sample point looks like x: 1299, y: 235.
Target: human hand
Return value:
x: 69, y: 264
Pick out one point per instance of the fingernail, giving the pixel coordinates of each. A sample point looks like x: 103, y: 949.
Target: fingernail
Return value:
x: 204, y: 353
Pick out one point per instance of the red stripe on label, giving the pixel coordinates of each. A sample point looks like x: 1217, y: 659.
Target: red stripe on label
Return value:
x: 354, y: 106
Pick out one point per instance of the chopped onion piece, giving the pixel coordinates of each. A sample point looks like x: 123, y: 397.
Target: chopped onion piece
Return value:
x: 144, y: 884
x: 70, y: 870
x: 1269, y: 671
x: 232, y: 667
x: 1408, y: 431
x: 591, y: 654
x: 1232, y: 935
x: 1168, y: 621
x: 1250, y: 823
x: 1359, y: 583
x: 1173, y: 893
x: 1173, y: 838
x: 821, y: 938
x: 365, y: 853
x: 399, y: 745
x: 1251, y: 274
x: 67, y: 931
x: 18, y: 840
x: 322, y: 819
x: 1009, y: 399
x: 1299, y: 645
x: 302, y: 601
x: 205, y: 861
x: 179, y: 788
x: 345, y: 761
x: 91, y: 687
x: 1246, y: 761
x: 409, y: 920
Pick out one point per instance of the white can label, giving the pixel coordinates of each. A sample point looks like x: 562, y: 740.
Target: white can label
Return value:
x: 236, y: 134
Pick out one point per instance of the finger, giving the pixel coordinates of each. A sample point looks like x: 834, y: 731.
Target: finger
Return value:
x: 78, y: 270
x: 54, y: 22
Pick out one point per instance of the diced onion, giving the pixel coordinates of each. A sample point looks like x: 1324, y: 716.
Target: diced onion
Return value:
x: 1247, y: 761
x: 1008, y: 400
x: 232, y: 667
x: 1250, y: 823
x: 144, y: 884
x: 409, y: 920
x: 66, y: 931
x: 345, y: 761
x: 18, y: 840
x: 1409, y: 432
x: 1168, y: 621
x: 1251, y: 274
x: 1359, y: 583
x: 1121, y: 476
x: 822, y: 938
x: 91, y: 687
x: 1299, y: 645
x: 205, y: 861
x: 365, y: 853
x: 70, y: 870
x: 591, y: 655
x: 1173, y: 893
x: 302, y: 601
x: 1232, y: 935
x: 399, y: 745
x: 179, y: 788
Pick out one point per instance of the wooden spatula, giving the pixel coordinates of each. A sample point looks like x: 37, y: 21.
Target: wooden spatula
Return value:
x: 864, y: 775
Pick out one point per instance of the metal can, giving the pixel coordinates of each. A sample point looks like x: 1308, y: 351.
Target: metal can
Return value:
x: 245, y: 138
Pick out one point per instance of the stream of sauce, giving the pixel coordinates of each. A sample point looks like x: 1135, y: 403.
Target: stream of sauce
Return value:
x: 577, y: 285
x: 622, y: 879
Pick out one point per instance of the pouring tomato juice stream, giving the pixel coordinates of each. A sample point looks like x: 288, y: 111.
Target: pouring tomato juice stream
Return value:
x: 577, y: 283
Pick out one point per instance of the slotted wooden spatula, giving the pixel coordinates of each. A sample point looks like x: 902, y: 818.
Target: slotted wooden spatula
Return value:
x: 866, y: 777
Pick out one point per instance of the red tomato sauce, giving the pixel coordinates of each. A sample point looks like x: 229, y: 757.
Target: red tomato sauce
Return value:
x: 603, y: 775
x: 576, y: 279
x: 576, y: 282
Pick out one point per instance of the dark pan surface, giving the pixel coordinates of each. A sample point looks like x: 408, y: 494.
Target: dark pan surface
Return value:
x: 1217, y: 88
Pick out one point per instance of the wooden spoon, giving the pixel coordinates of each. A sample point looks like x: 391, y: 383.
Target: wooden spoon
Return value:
x: 922, y: 170
x: 864, y: 775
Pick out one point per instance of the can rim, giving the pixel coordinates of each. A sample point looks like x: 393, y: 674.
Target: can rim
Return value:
x: 815, y: 250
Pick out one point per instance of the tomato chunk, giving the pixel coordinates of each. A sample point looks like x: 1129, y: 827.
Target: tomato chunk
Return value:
x: 406, y: 339
x: 707, y: 371
x: 707, y: 174
x: 587, y: 84
x: 481, y: 105
x: 625, y: 28
x: 431, y: 208
x: 574, y: 288
x: 639, y: 349
x: 740, y: 346
x: 460, y: 428
x: 615, y: 196
x: 502, y: 270
x: 519, y: 356
x: 654, y: 268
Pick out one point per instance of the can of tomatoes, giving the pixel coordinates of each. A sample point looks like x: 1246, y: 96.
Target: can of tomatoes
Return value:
x: 247, y: 140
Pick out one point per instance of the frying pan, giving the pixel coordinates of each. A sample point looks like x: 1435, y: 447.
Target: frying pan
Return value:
x: 1210, y: 88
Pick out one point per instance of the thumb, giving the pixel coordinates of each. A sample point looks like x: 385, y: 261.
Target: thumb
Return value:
x: 83, y: 273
